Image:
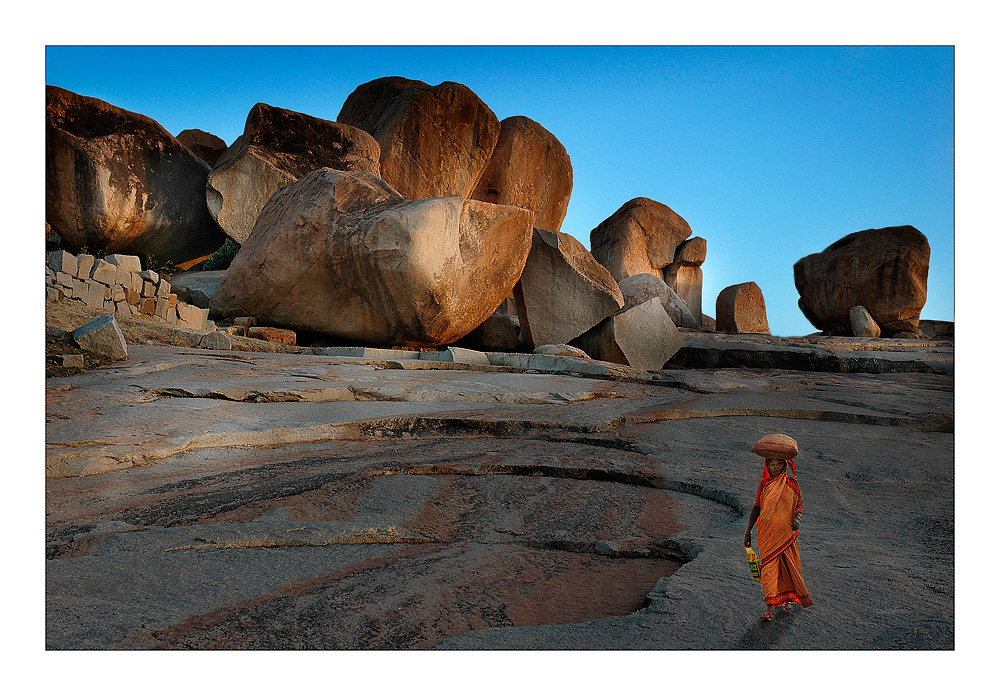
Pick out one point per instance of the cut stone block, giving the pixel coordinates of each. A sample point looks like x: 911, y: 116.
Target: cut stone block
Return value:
x: 137, y: 283
x: 162, y: 288
x: 192, y: 317
x: 126, y: 261
x: 80, y: 289
x: 53, y: 294
x: 643, y: 337
x: 132, y: 297
x: 102, y: 336
x: 118, y: 293
x: 107, y: 292
x: 172, y: 299
x: 368, y: 353
x: 172, y: 315
x: 456, y: 355
x: 104, y: 272
x: 95, y: 295
x: 147, y: 306
x: 162, y: 305
x: 85, y: 265
x: 269, y: 333
x: 74, y: 360
x: 148, y: 288
x: 122, y: 310
x: 133, y: 310
x: 64, y: 261
x: 64, y: 279
x: 151, y: 276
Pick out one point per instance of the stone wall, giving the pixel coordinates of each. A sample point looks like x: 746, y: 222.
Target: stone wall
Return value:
x: 118, y: 284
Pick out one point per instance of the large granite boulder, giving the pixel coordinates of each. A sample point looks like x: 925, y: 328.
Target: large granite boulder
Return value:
x: 740, y: 309
x: 118, y: 182
x: 884, y: 270
x: 640, y: 237
x: 529, y: 169
x: 638, y: 288
x: 342, y: 253
x: 563, y: 291
x: 277, y: 147
x: 436, y: 141
x: 643, y: 337
x: 207, y: 147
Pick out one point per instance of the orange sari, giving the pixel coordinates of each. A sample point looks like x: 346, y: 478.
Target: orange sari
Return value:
x: 780, y: 571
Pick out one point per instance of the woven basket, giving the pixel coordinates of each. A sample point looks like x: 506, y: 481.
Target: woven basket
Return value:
x: 776, y: 447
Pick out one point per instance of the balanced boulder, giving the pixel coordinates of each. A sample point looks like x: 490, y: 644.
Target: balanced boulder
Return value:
x: 640, y: 237
x: 638, y: 288
x: 740, y: 309
x: 435, y: 141
x: 117, y: 181
x: 529, y: 169
x: 884, y: 270
x: 342, y: 253
x: 277, y: 147
x: 643, y: 337
x: 563, y: 291
x: 684, y: 275
x: 204, y: 145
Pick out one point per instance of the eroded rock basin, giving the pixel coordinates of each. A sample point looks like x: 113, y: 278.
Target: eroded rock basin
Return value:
x: 369, y: 545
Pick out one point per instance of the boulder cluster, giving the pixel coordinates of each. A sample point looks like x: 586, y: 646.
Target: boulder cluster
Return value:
x: 419, y: 219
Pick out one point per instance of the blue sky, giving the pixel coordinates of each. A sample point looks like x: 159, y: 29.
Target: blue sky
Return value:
x: 770, y: 153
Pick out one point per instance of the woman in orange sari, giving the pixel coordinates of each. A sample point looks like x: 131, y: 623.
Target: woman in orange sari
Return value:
x: 777, y: 512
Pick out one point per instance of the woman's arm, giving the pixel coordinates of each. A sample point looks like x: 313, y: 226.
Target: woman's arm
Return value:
x: 754, y: 514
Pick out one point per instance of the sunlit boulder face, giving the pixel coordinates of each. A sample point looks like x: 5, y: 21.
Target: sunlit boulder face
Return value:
x: 277, y: 147
x: 435, y: 141
x: 344, y: 254
x: 640, y: 237
x: 118, y: 182
x: 642, y: 336
x: 883, y: 270
x: 530, y: 169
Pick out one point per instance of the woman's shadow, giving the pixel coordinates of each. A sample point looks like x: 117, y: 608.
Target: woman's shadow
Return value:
x: 764, y: 635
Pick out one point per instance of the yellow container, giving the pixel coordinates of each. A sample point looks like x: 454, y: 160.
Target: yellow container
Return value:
x: 752, y: 562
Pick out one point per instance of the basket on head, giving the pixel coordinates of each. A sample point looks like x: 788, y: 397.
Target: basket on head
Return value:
x: 776, y: 447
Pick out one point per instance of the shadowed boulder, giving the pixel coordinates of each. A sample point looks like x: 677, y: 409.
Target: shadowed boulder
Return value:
x: 342, y: 253
x: 563, y: 291
x: 207, y: 147
x: 643, y: 337
x: 435, y: 141
x: 638, y: 288
x: 277, y: 147
x: 883, y: 270
x: 118, y: 182
x: 529, y: 169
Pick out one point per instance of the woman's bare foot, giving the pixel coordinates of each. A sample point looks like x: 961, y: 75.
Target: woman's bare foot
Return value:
x: 767, y: 615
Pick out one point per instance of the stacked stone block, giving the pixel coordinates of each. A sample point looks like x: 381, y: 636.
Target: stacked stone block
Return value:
x: 118, y: 284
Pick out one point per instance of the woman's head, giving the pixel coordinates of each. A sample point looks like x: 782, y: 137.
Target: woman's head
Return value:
x: 775, y: 466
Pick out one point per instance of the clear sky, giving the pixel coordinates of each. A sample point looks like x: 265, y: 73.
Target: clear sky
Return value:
x: 770, y: 153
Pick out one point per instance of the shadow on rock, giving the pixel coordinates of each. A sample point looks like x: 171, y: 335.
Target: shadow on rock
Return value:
x: 765, y: 635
